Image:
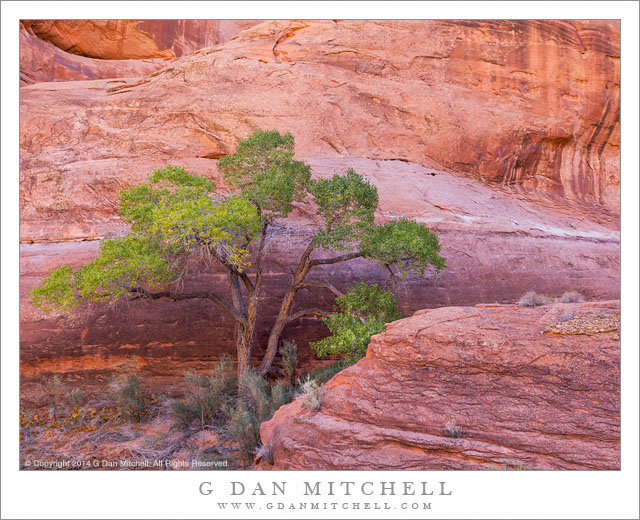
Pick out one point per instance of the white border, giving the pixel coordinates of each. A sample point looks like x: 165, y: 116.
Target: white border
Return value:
x: 174, y: 494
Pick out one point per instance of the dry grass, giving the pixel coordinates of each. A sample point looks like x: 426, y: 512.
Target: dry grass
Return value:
x: 533, y: 299
x: 571, y: 297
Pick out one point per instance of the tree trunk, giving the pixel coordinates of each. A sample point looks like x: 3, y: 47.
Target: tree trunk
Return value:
x: 243, y: 349
x: 285, y: 309
x: 276, y: 331
x: 243, y: 333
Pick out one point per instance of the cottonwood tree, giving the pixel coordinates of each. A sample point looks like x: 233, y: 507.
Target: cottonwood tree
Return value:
x: 176, y: 214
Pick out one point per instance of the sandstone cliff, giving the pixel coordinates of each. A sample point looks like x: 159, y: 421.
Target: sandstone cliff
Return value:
x: 62, y: 50
x: 468, y: 388
x: 502, y: 136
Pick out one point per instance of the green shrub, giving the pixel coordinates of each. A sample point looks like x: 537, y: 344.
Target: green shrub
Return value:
x: 289, y: 352
x: 323, y: 374
x: 206, y: 395
x: 55, y: 390
x: 451, y: 429
x: 533, y: 299
x: 256, y: 403
x: 264, y: 453
x: 359, y: 314
x: 571, y: 297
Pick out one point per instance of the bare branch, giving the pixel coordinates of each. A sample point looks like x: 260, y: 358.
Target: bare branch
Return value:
x: 304, y: 314
x: 304, y: 285
x: 335, y: 260
x: 246, y: 281
x: 142, y: 294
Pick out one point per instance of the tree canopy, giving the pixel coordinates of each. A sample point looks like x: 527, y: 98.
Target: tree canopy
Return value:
x: 176, y: 213
x: 360, y: 313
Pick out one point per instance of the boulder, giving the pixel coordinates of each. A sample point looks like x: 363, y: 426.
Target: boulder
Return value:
x: 468, y: 388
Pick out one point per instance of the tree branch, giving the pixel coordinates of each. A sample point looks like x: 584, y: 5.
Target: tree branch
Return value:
x: 246, y: 281
x: 304, y: 285
x: 308, y: 312
x: 343, y: 258
x: 142, y: 294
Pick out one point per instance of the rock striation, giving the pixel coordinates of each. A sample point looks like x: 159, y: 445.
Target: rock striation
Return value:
x: 42, y: 61
x: 502, y: 136
x: 529, y: 106
x: 484, y: 387
x: 66, y: 50
x: 135, y: 39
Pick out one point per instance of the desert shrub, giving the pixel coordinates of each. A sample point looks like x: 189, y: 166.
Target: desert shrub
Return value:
x: 323, y: 374
x: 126, y: 391
x: 451, y: 429
x: 289, y: 352
x: 75, y: 398
x: 256, y: 403
x: 571, y: 297
x: 533, y: 299
x: 281, y: 394
x: 359, y: 314
x: 244, y: 429
x: 55, y: 390
x: 311, y: 394
x: 206, y: 395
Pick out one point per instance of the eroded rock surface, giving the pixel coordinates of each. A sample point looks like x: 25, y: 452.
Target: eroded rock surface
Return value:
x: 66, y: 50
x: 502, y: 136
x: 529, y: 106
x: 42, y: 61
x: 468, y: 388
x: 135, y: 39
x: 497, y: 248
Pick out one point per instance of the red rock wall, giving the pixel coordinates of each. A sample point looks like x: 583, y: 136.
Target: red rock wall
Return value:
x: 466, y: 388
x: 530, y: 107
x: 504, y: 136
x: 66, y: 50
x: 135, y: 39
x: 42, y: 61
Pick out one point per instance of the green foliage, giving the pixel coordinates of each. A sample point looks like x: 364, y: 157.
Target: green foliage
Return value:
x: 178, y: 211
x: 264, y: 171
x: 403, y: 243
x: 359, y: 314
x: 347, y: 204
x: 289, y: 353
x: 207, y: 395
x: 171, y: 215
x: 123, y: 263
x: 56, y: 291
x: 323, y: 374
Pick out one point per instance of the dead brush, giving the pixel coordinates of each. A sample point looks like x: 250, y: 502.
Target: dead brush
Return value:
x: 571, y: 297
x: 311, y: 395
x: 533, y: 299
